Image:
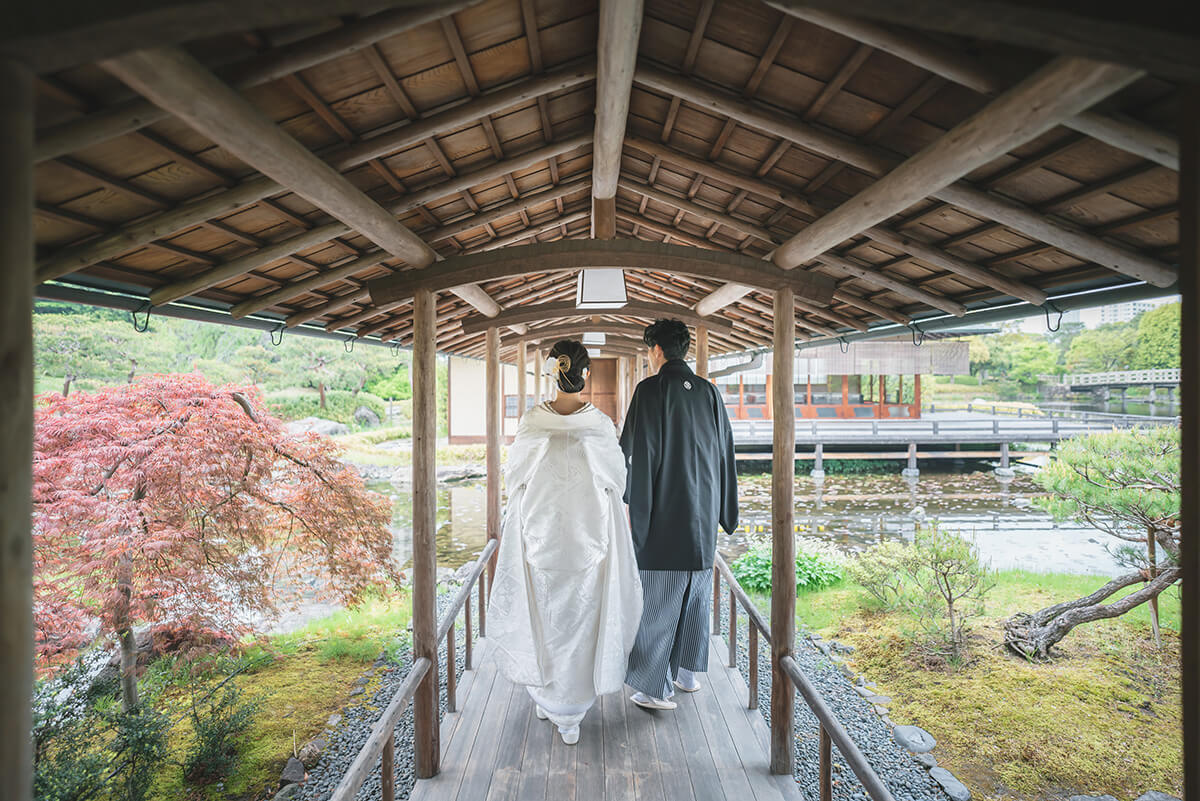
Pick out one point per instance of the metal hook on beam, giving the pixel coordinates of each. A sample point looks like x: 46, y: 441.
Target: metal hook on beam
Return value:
x: 916, y: 330
x: 142, y: 327
x: 1046, y: 308
x: 348, y: 344
x: 396, y: 348
x: 277, y: 334
x: 843, y: 344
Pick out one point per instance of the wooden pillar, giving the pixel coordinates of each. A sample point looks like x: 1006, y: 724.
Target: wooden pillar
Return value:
x: 783, y: 548
x: 1189, y: 413
x: 16, y: 430
x: 494, y: 432
x: 917, y: 395
x: 702, y: 351
x: 424, y: 586
x: 522, y: 367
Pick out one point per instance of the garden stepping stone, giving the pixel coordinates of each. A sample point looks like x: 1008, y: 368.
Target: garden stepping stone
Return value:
x: 929, y: 761
x: 1091, y: 798
x: 1155, y: 795
x: 289, y: 792
x: 953, y: 787
x: 293, y: 772
x: 334, y: 720
x: 915, y: 739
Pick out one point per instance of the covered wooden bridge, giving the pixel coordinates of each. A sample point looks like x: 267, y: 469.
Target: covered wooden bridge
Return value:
x: 436, y: 177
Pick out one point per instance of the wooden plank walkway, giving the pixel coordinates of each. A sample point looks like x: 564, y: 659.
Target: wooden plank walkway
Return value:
x: 712, y: 748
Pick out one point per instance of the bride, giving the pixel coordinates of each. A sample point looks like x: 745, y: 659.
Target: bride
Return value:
x: 566, y: 601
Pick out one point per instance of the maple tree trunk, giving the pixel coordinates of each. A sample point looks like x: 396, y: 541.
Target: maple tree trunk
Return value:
x: 1032, y: 635
x: 132, y: 371
x: 67, y: 384
x: 321, y: 389
x: 129, y: 691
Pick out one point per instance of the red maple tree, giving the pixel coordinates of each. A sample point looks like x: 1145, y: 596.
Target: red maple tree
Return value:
x: 171, y: 501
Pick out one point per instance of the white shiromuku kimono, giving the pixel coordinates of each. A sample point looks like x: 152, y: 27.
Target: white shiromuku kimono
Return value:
x: 567, y: 600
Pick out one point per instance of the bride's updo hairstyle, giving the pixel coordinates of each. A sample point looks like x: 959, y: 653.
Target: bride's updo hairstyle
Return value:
x: 570, y: 359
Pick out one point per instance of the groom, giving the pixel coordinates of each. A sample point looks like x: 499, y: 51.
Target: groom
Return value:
x: 682, y: 482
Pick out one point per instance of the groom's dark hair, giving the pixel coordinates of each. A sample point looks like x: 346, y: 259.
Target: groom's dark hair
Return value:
x: 670, y: 335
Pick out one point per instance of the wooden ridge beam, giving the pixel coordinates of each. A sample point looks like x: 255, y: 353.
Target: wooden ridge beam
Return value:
x: 961, y: 68
x: 620, y: 25
x: 174, y: 80
x: 1053, y: 93
x: 576, y: 254
x: 294, y: 289
x: 633, y: 332
x: 875, y: 276
x: 877, y: 161
x: 549, y: 311
x: 132, y: 115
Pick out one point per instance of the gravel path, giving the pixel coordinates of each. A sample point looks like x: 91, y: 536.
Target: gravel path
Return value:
x: 906, y: 778
x: 351, y: 733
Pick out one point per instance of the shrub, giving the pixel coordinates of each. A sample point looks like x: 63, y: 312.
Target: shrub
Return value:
x: 219, y: 723
x: 292, y: 404
x: 142, y: 742
x: 881, y: 571
x: 817, y: 566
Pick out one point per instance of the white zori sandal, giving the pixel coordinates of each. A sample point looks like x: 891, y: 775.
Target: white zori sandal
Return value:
x: 569, y: 736
x: 541, y: 713
x: 646, y: 702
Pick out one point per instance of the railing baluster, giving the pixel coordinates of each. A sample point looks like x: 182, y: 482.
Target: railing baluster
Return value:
x: 752, y: 695
x: 732, y: 628
x: 716, y: 593
x: 451, y: 671
x: 467, y: 633
x: 482, y: 610
x: 826, y: 766
x: 388, y: 768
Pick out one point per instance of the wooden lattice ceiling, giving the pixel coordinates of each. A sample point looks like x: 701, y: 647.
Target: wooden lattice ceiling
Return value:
x: 474, y: 127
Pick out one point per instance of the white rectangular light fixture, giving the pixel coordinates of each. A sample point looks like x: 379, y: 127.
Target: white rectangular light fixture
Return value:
x: 594, y: 352
x: 594, y: 338
x: 600, y: 288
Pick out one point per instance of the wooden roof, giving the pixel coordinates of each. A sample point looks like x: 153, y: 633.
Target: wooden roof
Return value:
x: 475, y: 130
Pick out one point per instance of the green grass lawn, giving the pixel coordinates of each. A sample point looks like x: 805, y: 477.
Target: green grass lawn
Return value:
x: 1104, y: 717
x: 300, y: 678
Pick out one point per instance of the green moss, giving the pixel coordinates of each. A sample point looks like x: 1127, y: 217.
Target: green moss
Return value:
x: 1105, y: 717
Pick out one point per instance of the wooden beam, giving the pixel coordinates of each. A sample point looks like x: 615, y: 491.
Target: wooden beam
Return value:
x: 477, y: 297
x: 783, y: 540
x: 493, y: 389
x: 876, y: 161
x: 174, y: 80
x: 293, y: 289
x: 424, y: 529
x: 535, y: 312
x: 712, y: 215
x: 549, y: 332
x: 1055, y: 92
x: 1151, y: 38
x: 962, y: 68
x: 16, y: 430
x: 620, y: 26
x: 872, y: 275
x: 1189, y: 413
x: 577, y: 254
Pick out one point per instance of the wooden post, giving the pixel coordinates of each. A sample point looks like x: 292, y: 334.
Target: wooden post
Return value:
x: 752, y: 680
x: 494, y: 432
x: 702, y: 351
x: 522, y: 366
x: 467, y: 632
x: 451, y: 672
x: 538, y: 359
x: 424, y: 586
x: 783, y: 550
x: 1189, y: 413
x: 16, y: 430
x: 387, y: 769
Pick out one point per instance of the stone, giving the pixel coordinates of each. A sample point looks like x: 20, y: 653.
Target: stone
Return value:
x: 1155, y: 795
x: 289, y: 792
x: 310, y: 752
x: 863, y: 690
x: 358, y: 691
x: 915, y: 739
x: 953, y: 787
x: 882, y: 700
x: 362, y: 681
x: 860, y: 682
x: 334, y: 720
x: 928, y: 761
x: 881, y: 711
x: 846, y: 670
x: 293, y: 772
x: 1092, y: 798
x: 366, y: 417
x: 318, y: 425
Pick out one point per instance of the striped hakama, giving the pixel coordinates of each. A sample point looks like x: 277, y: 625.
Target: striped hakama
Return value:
x: 673, y: 634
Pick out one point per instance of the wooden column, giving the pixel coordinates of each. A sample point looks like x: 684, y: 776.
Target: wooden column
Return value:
x: 424, y: 585
x: 16, y: 430
x: 702, y: 351
x: 538, y: 358
x: 522, y: 367
x: 1189, y: 412
x: 783, y: 543
x: 494, y: 433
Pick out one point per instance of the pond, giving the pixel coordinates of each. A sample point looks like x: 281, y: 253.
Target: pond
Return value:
x: 850, y: 511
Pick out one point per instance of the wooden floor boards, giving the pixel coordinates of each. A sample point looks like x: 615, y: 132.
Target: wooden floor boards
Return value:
x: 712, y: 748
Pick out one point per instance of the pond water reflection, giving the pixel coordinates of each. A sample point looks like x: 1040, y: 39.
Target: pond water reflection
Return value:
x: 852, y: 511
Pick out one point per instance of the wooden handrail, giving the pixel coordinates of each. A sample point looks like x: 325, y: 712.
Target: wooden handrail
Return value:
x: 460, y: 598
x: 382, y: 735
x: 832, y: 731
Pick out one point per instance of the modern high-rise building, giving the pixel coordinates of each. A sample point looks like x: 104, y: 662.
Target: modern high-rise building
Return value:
x: 1124, y: 312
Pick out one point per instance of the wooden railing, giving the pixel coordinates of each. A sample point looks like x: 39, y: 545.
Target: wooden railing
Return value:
x: 382, y: 740
x: 831, y: 730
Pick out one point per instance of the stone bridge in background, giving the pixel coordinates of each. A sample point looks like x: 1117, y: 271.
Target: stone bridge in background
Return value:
x: 1103, y: 384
